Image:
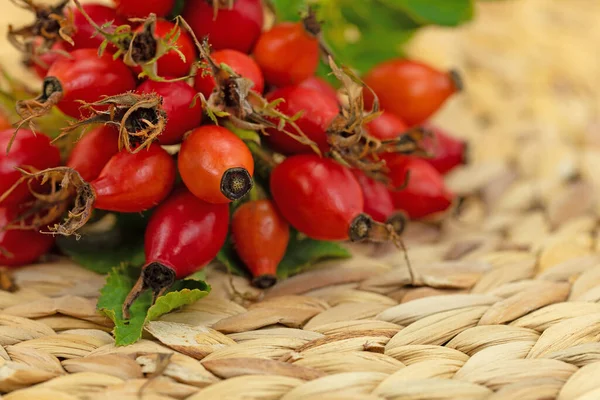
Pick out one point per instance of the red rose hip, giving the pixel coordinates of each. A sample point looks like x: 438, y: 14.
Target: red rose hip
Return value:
x: 260, y: 235
x: 319, y: 110
x: 409, y: 89
x: 216, y: 165
x: 237, y: 28
x: 239, y: 62
x: 287, y: 54
x: 182, y: 236
x: 424, y: 194
x: 319, y: 197
x: 28, y: 150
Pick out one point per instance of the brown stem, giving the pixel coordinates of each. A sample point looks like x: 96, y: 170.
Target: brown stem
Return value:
x: 363, y: 227
x: 457, y: 80
x: 154, y: 276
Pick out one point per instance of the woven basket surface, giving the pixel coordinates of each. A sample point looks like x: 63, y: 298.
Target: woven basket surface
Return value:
x: 506, y: 304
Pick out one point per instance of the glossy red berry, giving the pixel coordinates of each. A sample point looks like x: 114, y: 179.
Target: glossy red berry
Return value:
x: 239, y: 62
x: 319, y: 111
x: 409, y: 89
x: 184, y: 233
x: 177, y: 100
x: 378, y: 201
x: 318, y: 196
x: 216, y: 165
x: 447, y: 152
x: 85, y: 36
x: 28, y: 150
x: 171, y: 64
x: 424, y: 194
x: 143, y: 8
x: 134, y: 182
x: 287, y: 54
x: 386, y: 127
x: 86, y: 77
x: 91, y: 153
x: 20, y: 247
x: 237, y: 28
x: 260, y: 235
x: 314, y: 82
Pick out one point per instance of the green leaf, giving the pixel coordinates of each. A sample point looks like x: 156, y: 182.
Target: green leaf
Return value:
x: 100, y: 251
x: 358, y: 42
x: 438, y: 12
x: 303, y: 252
x: 246, y: 135
x: 118, y: 284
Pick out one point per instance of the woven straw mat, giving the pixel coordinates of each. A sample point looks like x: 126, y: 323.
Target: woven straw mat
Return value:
x: 507, y: 301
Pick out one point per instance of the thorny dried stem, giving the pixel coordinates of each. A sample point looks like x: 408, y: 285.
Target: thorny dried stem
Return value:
x: 51, y: 25
x: 141, y: 48
x: 140, y: 118
x: 233, y: 99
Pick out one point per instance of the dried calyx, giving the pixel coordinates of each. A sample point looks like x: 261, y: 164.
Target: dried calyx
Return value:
x: 233, y: 99
x: 351, y: 144
x: 52, y: 190
x: 50, y: 25
x: 154, y: 276
x: 138, y: 49
x: 140, y: 118
x: 67, y: 186
x: 30, y: 109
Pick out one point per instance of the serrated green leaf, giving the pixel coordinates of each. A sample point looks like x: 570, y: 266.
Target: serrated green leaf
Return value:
x: 438, y: 12
x: 302, y: 253
x: 183, y: 292
x: 118, y: 284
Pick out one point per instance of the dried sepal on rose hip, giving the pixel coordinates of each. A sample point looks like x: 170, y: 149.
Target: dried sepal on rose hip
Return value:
x: 50, y: 26
x: 128, y: 183
x: 349, y: 140
x: 49, y: 199
x: 234, y: 99
x: 140, y: 47
x: 139, y: 118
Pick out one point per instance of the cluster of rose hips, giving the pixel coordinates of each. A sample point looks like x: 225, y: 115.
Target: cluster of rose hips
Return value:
x: 168, y: 98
